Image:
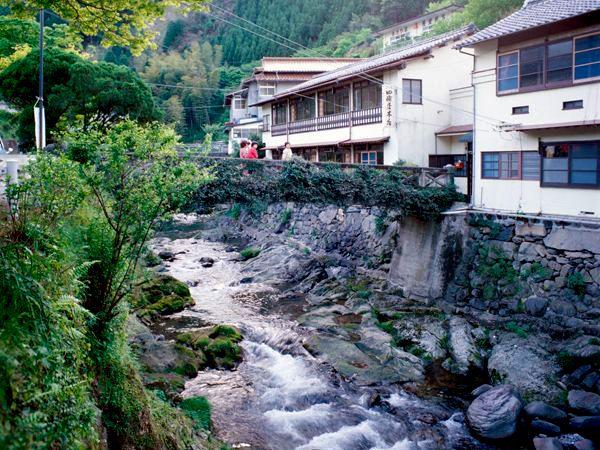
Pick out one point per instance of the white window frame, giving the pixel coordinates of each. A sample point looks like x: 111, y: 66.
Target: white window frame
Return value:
x: 518, y: 64
x: 575, y: 39
x: 266, y: 89
x: 239, y: 103
x: 369, y: 153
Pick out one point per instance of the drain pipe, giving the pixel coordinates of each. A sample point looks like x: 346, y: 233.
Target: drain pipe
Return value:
x: 473, y: 147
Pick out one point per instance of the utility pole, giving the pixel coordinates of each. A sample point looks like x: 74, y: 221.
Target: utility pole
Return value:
x: 41, y: 124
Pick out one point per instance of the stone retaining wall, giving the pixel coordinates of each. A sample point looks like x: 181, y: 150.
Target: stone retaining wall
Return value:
x: 478, y: 265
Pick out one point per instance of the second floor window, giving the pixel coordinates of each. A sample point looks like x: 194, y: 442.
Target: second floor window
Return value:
x: 239, y: 103
x: 266, y: 90
x: 412, y: 91
x: 279, y: 113
x: 558, y: 63
x: 367, y: 95
x: 302, y: 108
x: 334, y: 101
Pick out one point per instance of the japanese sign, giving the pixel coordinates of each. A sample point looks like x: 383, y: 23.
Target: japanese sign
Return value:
x: 388, y: 106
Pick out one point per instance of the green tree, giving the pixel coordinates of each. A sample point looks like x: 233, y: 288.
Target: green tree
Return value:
x: 76, y: 89
x: 482, y: 13
x: 173, y: 35
x: 118, y: 22
x: 137, y: 179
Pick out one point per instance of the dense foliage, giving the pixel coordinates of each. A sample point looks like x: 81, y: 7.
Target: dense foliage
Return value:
x: 303, y: 182
x: 119, y: 22
x: 76, y: 89
x: 70, y: 242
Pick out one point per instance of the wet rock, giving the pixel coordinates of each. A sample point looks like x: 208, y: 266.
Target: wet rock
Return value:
x: 494, y: 414
x: 584, y: 444
x: 526, y: 364
x: 590, y: 380
x: 579, y: 374
x: 542, y: 410
x: 480, y: 390
x: 463, y: 351
x: 588, y: 426
x: 206, y: 262
x: 546, y: 428
x: 352, y: 363
x: 536, y: 306
x: 584, y: 402
x: 547, y: 444
x: 166, y: 255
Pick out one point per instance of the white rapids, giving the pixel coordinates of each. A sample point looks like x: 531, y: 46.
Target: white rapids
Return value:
x: 281, y: 397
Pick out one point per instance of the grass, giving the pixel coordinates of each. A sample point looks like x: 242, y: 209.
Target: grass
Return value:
x: 249, y: 253
x: 198, y: 409
x: 380, y: 224
x: 513, y: 327
x: 286, y: 216
x: 235, y: 211
x: 576, y: 282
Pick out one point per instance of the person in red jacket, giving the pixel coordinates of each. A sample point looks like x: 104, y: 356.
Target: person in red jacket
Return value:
x: 253, y: 152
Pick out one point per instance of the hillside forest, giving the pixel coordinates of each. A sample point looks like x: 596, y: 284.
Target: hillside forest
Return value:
x: 196, y: 58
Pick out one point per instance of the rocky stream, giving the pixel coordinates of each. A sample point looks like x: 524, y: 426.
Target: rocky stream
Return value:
x: 334, y: 356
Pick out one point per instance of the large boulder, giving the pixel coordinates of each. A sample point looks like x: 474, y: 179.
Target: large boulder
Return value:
x: 542, y: 410
x: 584, y: 402
x: 525, y: 364
x: 494, y: 414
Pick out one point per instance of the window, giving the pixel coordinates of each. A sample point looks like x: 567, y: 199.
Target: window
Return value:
x: 510, y: 165
x: 412, y: 91
x: 560, y: 62
x: 531, y: 67
x: 587, y: 57
x: 550, y: 65
x: 239, y: 103
x: 574, y: 164
x: 367, y: 95
x: 520, y: 110
x: 246, y: 133
x: 334, y: 101
x: 267, y: 122
x: 302, y: 108
x: 266, y: 90
x: 371, y: 154
x: 575, y: 104
x: 508, y: 72
x: 530, y: 166
x: 279, y: 113
x: 443, y: 160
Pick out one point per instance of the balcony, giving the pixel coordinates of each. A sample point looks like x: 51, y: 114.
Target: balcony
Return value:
x: 341, y: 120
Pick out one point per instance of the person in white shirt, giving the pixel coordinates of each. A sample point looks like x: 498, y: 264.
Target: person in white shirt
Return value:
x: 287, y: 152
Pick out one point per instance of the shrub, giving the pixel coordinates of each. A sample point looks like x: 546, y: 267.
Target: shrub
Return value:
x: 249, y: 253
x: 576, y: 282
x: 518, y: 330
x: 286, y: 216
x: 303, y: 182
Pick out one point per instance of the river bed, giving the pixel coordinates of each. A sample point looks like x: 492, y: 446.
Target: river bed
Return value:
x: 281, y: 397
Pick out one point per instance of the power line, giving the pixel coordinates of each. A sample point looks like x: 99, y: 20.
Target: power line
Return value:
x: 186, y: 87
x: 362, y: 75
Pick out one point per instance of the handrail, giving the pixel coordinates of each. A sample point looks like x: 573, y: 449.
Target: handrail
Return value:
x: 331, y: 121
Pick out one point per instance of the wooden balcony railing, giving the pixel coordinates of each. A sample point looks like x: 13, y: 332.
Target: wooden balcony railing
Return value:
x: 341, y: 120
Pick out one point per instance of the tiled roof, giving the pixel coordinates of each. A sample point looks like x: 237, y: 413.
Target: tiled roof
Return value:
x: 369, y: 65
x: 300, y: 65
x: 278, y: 76
x: 533, y: 14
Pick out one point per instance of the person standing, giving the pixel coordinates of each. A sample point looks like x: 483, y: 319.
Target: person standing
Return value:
x: 244, y: 149
x: 253, y: 152
x: 287, y: 152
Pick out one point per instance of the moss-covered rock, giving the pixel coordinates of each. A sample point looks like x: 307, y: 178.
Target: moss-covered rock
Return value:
x: 162, y: 295
x: 218, y: 344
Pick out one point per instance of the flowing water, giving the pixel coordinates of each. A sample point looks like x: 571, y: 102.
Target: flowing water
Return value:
x: 281, y: 397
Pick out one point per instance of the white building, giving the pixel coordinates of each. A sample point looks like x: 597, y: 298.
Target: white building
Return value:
x: 537, y: 110
x: 275, y: 74
x: 410, y: 29
x: 413, y: 104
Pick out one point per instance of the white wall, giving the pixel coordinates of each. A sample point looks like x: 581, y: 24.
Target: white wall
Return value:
x: 413, y: 139
x: 544, y: 107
